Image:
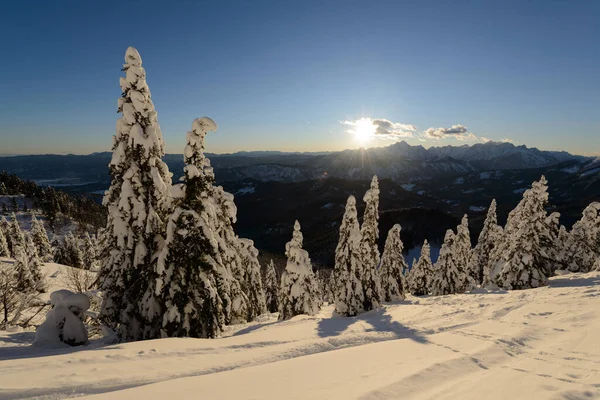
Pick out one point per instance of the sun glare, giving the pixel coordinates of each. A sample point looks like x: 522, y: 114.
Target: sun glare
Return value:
x: 363, y: 130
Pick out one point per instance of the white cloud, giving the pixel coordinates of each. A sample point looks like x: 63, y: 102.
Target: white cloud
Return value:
x: 485, y: 140
x: 382, y: 128
x: 458, y: 132
x: 507, y: 140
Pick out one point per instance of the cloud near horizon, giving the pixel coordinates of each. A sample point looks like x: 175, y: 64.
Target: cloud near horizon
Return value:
x: 384, y: 128
x: 458, y: 132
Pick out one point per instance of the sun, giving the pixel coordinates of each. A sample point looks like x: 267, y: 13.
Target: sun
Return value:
x: 363, y: 130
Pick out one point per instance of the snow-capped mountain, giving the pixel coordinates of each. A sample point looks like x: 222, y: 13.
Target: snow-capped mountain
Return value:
x: 400, y: 162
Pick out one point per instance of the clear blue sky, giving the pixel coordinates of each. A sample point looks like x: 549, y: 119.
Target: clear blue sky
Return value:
x: 282, y: 75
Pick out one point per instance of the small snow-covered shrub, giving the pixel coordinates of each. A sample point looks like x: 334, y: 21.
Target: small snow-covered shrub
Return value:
x: 64, y: 322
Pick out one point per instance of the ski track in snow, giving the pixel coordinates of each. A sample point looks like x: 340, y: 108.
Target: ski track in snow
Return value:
x: 538, y: 343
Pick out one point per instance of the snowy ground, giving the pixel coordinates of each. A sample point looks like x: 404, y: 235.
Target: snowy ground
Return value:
x: 534, y: 344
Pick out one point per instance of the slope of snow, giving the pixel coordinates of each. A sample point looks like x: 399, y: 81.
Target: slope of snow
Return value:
x: 540, y: 343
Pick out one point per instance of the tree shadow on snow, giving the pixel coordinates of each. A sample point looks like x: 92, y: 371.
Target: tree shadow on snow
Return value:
x: 570, y: 280
x: 253, y: 328
x: 26, y: 349
x: 379, y: 320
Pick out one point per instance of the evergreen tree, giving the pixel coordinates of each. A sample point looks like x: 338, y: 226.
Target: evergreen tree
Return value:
x: 190, y: 267
x: 421, y: 274
x: 299, y: 291
x: 448, y: 277
x: 15, y: 237
x: 369, y: 250
x: 393, y: 267
x: 34, y: 265
x: 488, y: 239
x: 580, y: 251
x: 40, y: 239
x: 90, y: 252
x: 462, y: 255
x: 348, y: 291
x: 25, y: 281
x: 561, y: 245
x: 4, y: 251
x: 252, y: 283
x: 138, y: 203
x: 271, y: 288
x: 523, y: 259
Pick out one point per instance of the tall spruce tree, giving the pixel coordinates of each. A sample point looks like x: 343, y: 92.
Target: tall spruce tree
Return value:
x: 138, y: 203
x: 393, y: 267
x: 4, y: 251
x: 421, y: 274
x: 462, y: 254
x: 448, y: 277
x: 490, y: 234
x: 299, y: 291
x: 523, y: 259
x: 24, y: 279
x: 271, y: 288
x: 348, y: 291
x: 580, y: 247
x: 90, y: 252
x: 15, y: 237
x: 40, y: 238
x: 369, y: 251
x: 34, y: 264
x: 252, y: 283
x: 190, y: 264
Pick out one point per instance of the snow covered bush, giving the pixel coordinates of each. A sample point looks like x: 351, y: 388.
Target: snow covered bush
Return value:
x: 420, y: 276
x: 369, y: 251
x: 393, y: 267
x: 299, y: 291
x: 348, y: 292
x: 64, y: 322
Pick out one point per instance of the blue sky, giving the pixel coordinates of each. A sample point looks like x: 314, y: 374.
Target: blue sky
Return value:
x: 284, y: 75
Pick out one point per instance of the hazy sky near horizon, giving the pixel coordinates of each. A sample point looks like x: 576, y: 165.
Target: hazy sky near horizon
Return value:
x: 297, y: 75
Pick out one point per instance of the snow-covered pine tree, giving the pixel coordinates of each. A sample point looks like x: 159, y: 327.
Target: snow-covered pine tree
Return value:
x: 420, y: 276
x: 4, y: 251
x: 252, y: 284
x: 369, y: 251
x: 448, y: 278
x: 40, y: 238
x: 138, y: 203
x: 462, y: 255
x: 299, y: 291
x: 25, y: 282
x: 271, y: 288
x: 190, y: 264
x: 523, y: 259
x: 90, y: 252
x: 580, y: 250
x: 393, y: 267
x: 34, y: 264
x: 15, y: 237
x: 560, y: 247
x: 348, y: 292
x: 72, y: 251
x: 490, y: 235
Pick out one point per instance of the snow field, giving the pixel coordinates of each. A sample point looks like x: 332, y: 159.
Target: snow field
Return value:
x: 539, y: 343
